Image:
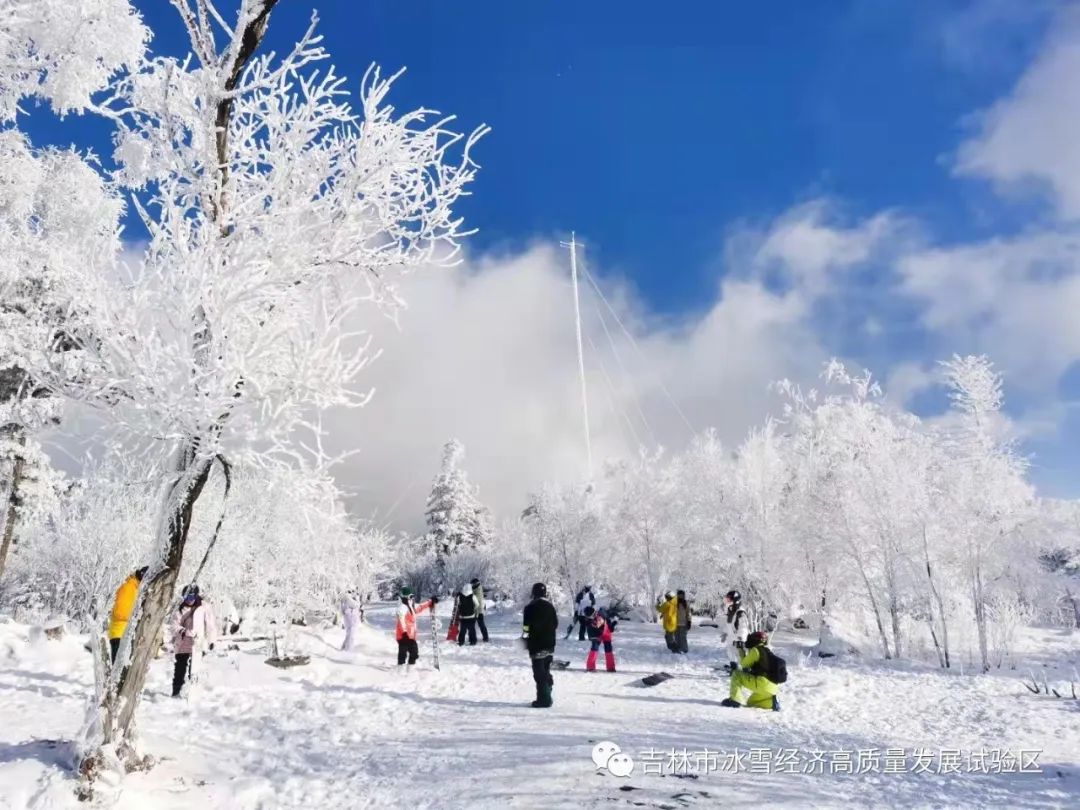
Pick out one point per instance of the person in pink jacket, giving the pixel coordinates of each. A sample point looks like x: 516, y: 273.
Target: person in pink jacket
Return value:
x: 194, y: 630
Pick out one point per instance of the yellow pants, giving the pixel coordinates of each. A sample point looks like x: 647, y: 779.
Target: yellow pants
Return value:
x: 761, y: 689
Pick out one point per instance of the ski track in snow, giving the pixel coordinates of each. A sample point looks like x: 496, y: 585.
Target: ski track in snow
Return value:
x: 350, y: 731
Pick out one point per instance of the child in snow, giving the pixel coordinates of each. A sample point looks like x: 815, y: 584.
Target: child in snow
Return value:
x: 538, y: 626
x: 350, y: 613
x: 193, y: 630
x: 467, y: 611
x: 600, y: 631
x: 405, y: 629
x: 668, y: 608
x: 478, y: 592
x: 682, y: 622
x: 751, y: 676
x: 735, y: 630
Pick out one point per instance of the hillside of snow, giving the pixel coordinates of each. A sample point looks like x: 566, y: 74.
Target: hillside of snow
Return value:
x: 349, y: 730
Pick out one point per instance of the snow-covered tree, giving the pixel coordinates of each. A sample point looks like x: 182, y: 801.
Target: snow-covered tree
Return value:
x: 993, y: 498
x: 277, y: 217
x: 100, y: 530
x: 456, y: 519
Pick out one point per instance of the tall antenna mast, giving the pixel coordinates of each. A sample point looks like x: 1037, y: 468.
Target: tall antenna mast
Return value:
x: 572, y: 244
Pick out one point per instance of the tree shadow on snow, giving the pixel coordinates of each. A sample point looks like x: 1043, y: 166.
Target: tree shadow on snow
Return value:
x: 56, y: 753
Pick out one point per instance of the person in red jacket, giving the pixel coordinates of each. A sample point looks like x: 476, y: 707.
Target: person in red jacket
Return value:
x: 405, y: 630
x: 599, y: 630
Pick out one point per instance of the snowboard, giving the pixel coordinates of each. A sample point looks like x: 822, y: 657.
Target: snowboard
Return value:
x: 435, y: 639
x: 451, y: 633
x: 655, y: 678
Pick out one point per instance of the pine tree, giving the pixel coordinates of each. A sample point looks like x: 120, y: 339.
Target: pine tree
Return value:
x: 455, y: 517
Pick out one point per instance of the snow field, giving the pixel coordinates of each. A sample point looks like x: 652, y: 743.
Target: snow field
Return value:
x: 349, y: 730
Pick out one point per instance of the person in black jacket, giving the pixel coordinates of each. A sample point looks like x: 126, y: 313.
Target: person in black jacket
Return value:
x: 538, y: 631
x: 467, y: 608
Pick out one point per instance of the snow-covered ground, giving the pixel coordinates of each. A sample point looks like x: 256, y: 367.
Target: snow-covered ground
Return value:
x: 349, y: 731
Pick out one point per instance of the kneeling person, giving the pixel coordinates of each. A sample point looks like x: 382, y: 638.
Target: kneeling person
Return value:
x: 760, y: 672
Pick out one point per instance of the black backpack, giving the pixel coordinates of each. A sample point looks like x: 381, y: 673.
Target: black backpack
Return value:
x: 775, y: 666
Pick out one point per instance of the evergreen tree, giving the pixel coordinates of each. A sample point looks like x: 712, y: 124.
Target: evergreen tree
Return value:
x: 455, y: 517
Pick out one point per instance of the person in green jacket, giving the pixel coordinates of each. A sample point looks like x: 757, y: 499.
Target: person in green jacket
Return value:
x: 750, y: 677
x: 478, y: 592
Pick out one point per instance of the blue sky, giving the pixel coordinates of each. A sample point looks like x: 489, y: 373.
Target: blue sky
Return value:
x: 705, y: 150
x: 652, y: 133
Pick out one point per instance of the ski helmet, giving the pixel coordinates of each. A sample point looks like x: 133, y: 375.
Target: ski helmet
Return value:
x: 589, y: 611
x: 539, y: 590
x: 734, y: 596
x: 406, y: 592
x: 759, y: 638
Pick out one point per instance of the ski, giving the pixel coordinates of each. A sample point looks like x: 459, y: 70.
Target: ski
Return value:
x: 434, y: 639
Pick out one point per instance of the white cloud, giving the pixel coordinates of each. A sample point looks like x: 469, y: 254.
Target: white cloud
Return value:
x: 1032, y: 136
x: 809, y: 249
x: 1014, y: 299
x: 486, y: 354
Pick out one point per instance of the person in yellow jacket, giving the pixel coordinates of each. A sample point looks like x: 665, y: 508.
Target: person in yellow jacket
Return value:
x: 668, y: 608
x: 750, y: 677
x: 123, y: 605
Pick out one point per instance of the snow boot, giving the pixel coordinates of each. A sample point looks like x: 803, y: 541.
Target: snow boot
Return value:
x: 731, y: 704
x: 590, y: 661
x: 775, y: 704
x: 609, y: 659
x: 543, y: 697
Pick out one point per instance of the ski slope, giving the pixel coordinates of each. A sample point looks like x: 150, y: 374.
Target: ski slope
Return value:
x: 350, y: 731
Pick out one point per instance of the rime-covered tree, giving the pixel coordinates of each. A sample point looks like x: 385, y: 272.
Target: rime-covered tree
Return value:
x: 278, y: 218
x: 456, y: 519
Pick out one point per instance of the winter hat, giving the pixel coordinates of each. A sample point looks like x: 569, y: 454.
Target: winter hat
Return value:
x: 589, y: 611
x: 466, y: 590
x: 669, y: 595
x: 758, y: 638
x: 539, y: 590
x: 475, y: 582
x: 406, y: 591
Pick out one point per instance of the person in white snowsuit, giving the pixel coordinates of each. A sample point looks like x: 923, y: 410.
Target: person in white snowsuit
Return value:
x: 585, y: 599
x: 736, y: 629
x: 350, y: 612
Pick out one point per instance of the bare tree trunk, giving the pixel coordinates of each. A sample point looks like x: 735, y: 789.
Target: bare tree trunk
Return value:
x: 979, y: 599
x: 877, y: 612
x: 943, y: 649
x: 12, y: 498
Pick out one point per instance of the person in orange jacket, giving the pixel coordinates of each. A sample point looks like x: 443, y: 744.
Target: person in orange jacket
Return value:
x: 123, y: 605
x: 405, y: 629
